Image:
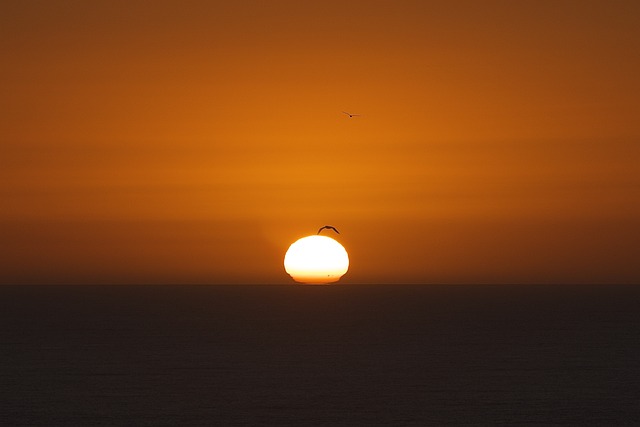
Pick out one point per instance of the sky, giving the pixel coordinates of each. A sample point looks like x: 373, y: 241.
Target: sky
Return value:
x: 193, y: 141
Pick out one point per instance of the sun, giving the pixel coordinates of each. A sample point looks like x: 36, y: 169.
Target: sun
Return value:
x: 316, y: 260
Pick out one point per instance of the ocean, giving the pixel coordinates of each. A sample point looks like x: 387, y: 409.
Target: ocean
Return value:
x: 337, y: 355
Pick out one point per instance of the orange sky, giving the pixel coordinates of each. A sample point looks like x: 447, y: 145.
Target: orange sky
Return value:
x: 193, y: 141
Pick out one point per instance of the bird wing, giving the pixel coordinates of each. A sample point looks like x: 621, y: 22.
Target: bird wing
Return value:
x: 328, y: 227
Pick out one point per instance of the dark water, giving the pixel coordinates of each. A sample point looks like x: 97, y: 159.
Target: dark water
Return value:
x: 327, y: 355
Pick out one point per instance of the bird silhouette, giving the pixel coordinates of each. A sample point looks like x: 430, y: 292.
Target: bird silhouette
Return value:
x: 351, y: 115
x: 329, y: 227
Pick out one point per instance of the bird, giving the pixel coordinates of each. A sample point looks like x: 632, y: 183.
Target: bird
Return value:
x: 328, y: 227
x: 351, y: 115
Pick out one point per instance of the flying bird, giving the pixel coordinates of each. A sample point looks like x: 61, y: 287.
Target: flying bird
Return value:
x: 351, y: 115
x: 330, y: 227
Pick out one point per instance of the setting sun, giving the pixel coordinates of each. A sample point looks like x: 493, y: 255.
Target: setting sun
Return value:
x: 316, y: 260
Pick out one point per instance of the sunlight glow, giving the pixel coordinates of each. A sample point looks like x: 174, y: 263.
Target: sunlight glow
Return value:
x: 316, y: 260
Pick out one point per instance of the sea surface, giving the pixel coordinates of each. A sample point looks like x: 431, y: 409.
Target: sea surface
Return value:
x: 338, y: 355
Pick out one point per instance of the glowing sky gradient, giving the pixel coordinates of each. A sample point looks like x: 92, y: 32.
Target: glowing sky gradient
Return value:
x: 193, y: 142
